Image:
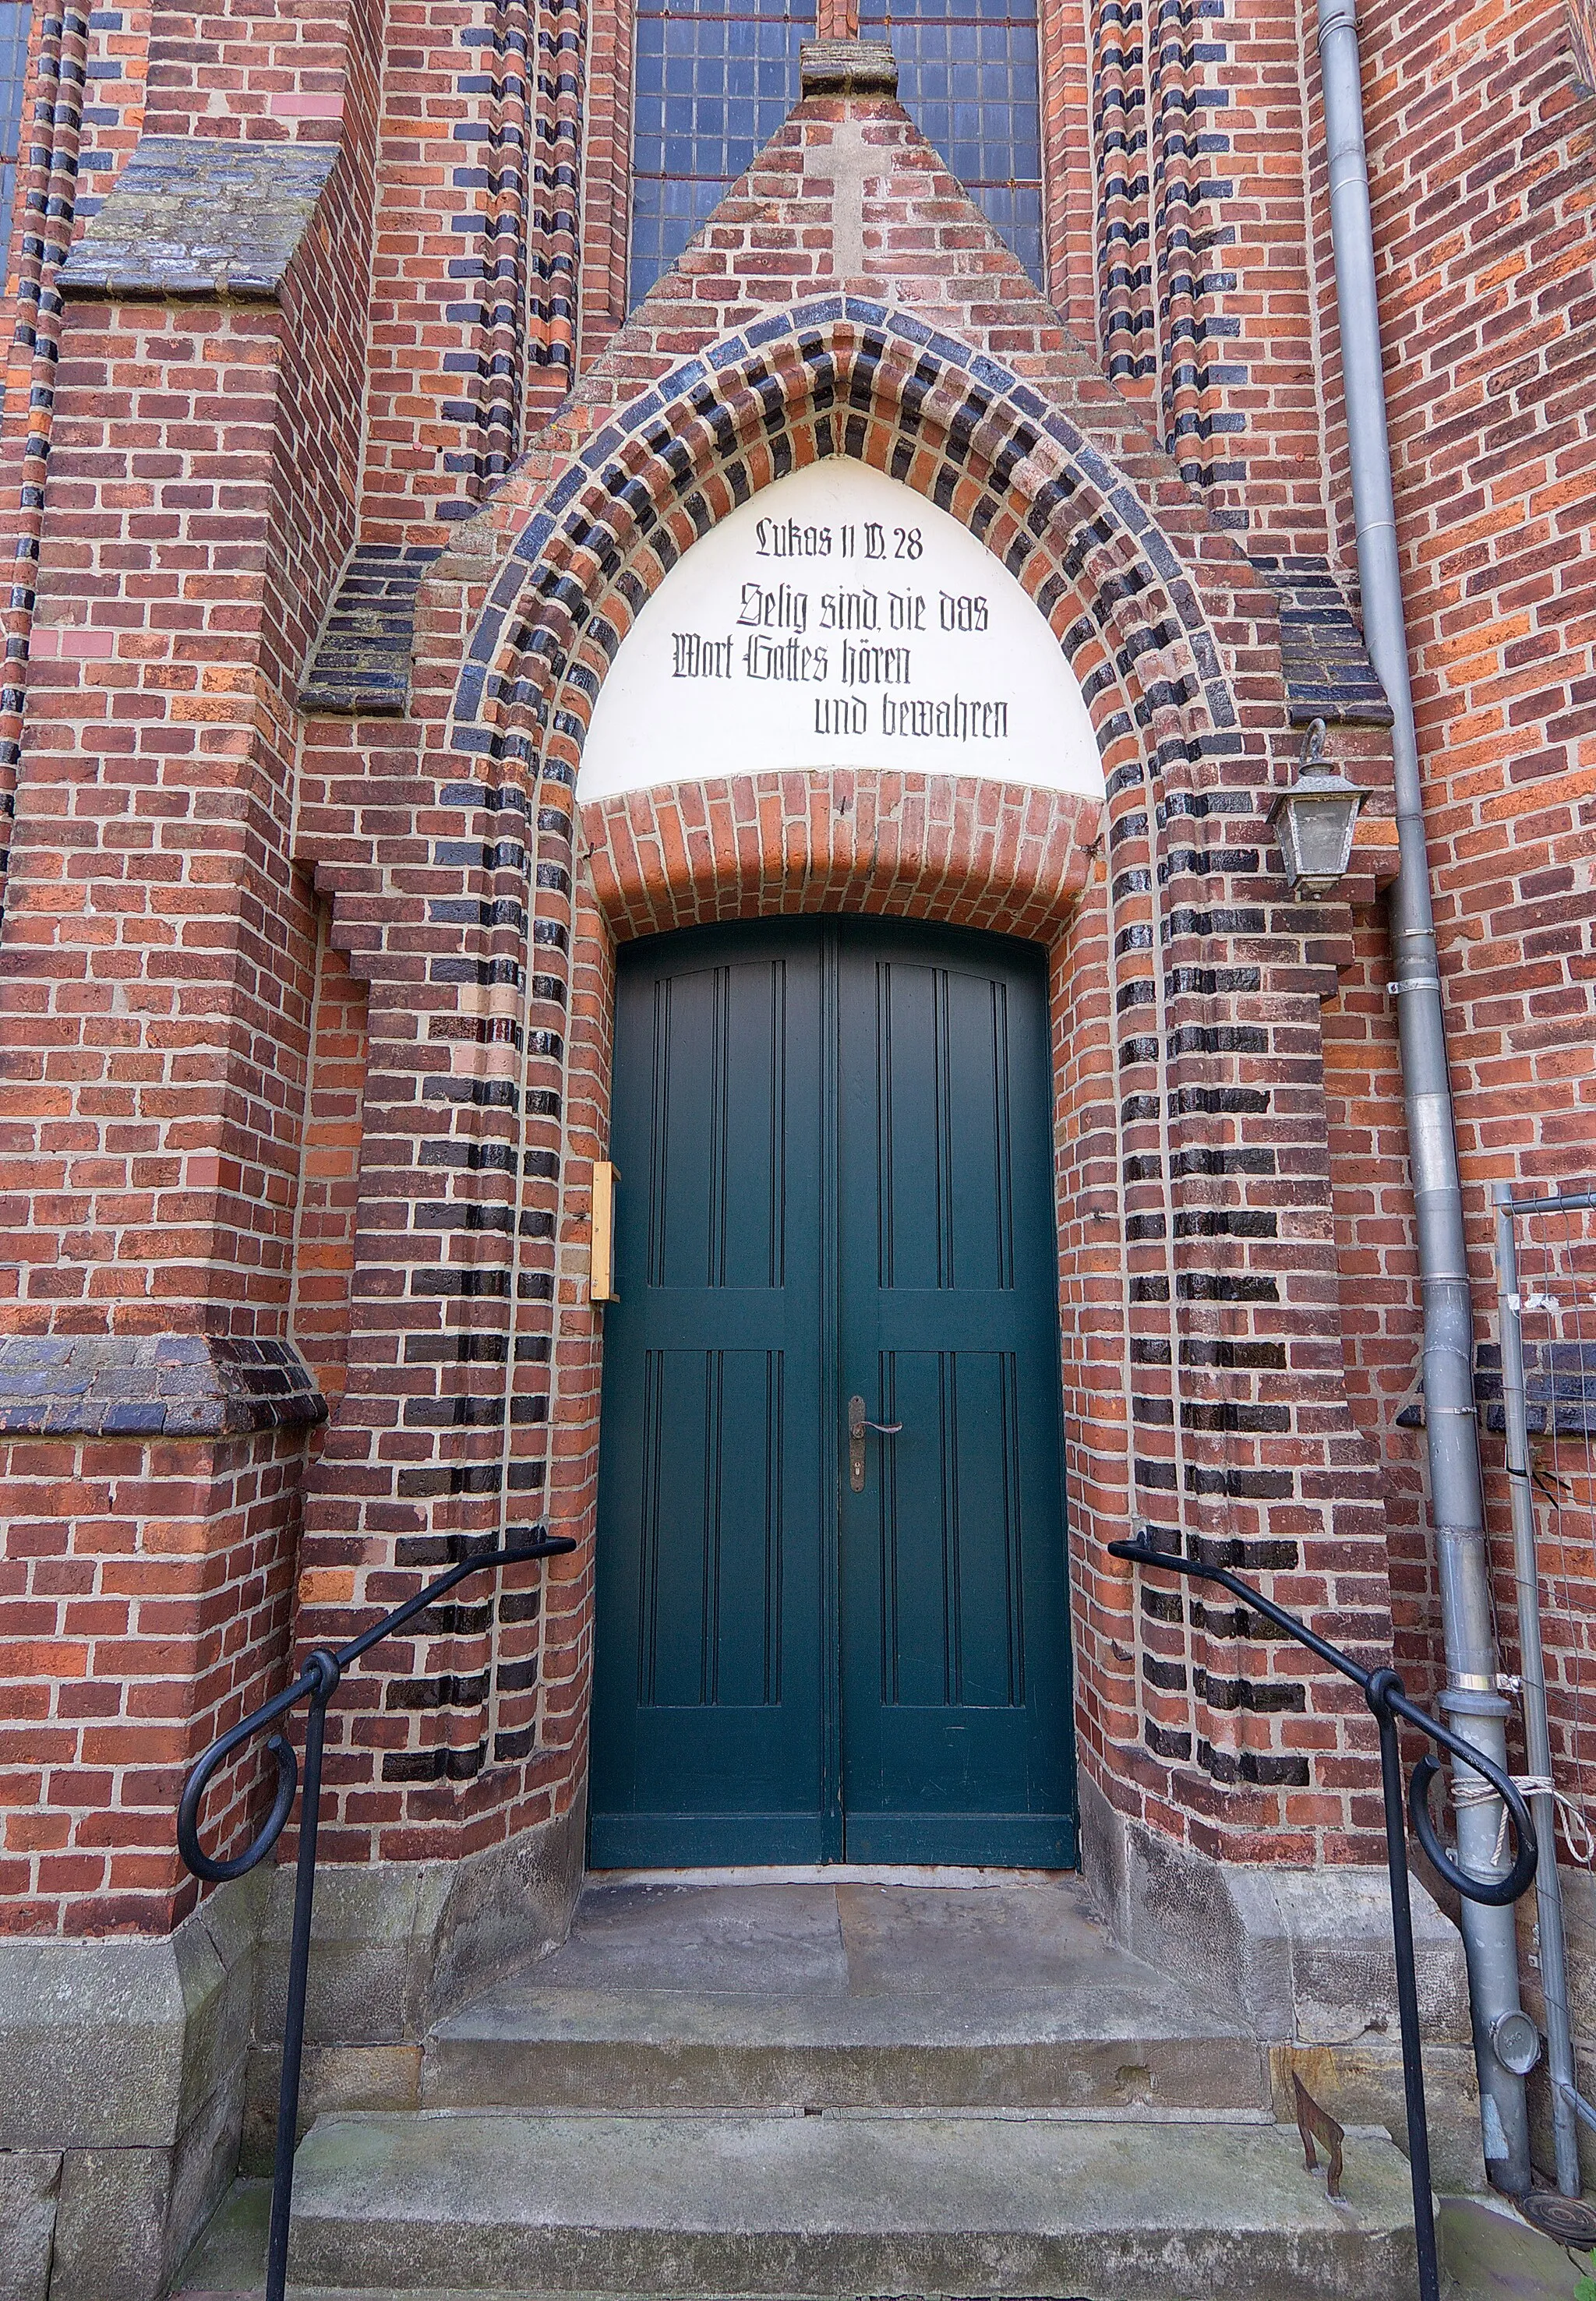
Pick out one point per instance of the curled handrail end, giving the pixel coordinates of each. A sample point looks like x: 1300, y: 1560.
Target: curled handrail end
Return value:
x: 1388, y: 1698
x: 317, y: 1682
x: 1496, y: 1893
x: 202, y: 1864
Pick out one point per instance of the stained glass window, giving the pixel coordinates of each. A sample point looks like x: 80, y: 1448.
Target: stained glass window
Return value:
x: 15, y: 18
x: 714, y: 82
x: 716, y: 78
x: 968, y: 77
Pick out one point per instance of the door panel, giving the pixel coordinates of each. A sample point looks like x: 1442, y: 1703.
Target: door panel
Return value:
x: 710, y: 1579
x: 955, y: 1741
x: 707, y: 1720
x: 940, y: 1072
x: 718, y: 1166
x: 834, y: 1142
x: 952, y: 1620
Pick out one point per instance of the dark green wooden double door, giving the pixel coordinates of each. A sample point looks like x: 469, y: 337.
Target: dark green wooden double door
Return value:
x: 835, y: 1185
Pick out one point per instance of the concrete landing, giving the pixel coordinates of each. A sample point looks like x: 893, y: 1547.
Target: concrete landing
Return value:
x: 820, y: 1994
x: 844, y: 2203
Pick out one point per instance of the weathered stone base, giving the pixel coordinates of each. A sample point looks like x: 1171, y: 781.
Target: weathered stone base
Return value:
x: 125, y: 2064
x: 864, y: 2203
x: 397, y: 1947
x: 30, y: 2187
x: 1306, y: 1955
x: 1361, y: 2085
x: 122, y: 2089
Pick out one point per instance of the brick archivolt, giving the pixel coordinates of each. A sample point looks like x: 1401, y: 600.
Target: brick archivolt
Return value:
x: 1201, y: 1341
x: 843, y: 376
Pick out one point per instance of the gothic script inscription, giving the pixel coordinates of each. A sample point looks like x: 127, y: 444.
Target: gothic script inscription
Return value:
x: 839, y: 620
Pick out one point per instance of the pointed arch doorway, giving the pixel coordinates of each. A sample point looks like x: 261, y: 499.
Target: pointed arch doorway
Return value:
x: 816, y: 1641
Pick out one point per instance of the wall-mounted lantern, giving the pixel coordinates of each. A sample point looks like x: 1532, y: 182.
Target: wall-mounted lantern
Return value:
x: 1314, y: 819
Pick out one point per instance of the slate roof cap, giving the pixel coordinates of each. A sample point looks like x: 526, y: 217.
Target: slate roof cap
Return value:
x: 194, y: 215
x: 1327, y: 670
x: 164, y: 1385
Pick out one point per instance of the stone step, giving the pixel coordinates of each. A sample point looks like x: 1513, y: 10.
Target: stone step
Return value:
x: 1114, y: 2045
x: 849, y: 1995
x: 849, y: 2202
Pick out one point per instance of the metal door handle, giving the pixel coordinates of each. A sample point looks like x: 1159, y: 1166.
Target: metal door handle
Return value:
x: 858, y: 1424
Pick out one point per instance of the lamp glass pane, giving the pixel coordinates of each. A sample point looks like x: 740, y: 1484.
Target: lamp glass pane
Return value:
x: 1314, y: 827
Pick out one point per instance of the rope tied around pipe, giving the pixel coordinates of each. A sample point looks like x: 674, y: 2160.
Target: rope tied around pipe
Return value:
x: 1470, y: 1789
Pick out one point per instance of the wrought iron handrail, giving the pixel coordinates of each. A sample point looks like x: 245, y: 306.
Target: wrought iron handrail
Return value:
x: 317, y: 1683
x: 1383, y: 1691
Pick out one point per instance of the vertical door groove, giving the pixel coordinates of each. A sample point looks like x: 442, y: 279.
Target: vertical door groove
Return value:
x: 709, y: 1634
x: 649, y: 1531
x: 953, y: 1669
x: 719, y: 1119
x: 943, y: 1122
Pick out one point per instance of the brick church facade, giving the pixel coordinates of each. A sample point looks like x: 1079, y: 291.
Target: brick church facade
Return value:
x: 341, y: 455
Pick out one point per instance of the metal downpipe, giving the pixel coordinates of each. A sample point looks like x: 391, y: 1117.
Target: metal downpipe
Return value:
x: 1537, y: 1734
x: 1474, y: 1706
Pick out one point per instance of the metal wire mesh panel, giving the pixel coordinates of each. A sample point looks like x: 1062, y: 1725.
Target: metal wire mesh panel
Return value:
x: 968, y: 79
x: 714, y: 82
x: 15, y: 17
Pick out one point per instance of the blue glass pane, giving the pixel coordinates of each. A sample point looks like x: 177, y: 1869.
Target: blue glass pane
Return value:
x: 714, y: 82
x: 15, y: 17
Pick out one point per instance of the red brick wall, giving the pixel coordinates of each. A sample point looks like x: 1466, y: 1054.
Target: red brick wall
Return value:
x: 1481, y: 138
x: 160, y: 965
x: 158, y: 980
x: 145, y: 1600
x: 57, y: 179
x: 605, y: 181
x: 1204, y: 283
x: 1067, y: 188
x: 158, y: 993
x: 473, y: 257
x: 328, y: 1193
x: 1236, y: 1255
x: 96, y: 82
x: 258, y: 68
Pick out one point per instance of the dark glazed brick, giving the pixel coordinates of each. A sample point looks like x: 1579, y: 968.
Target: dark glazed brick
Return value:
x: 171, y: 1386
